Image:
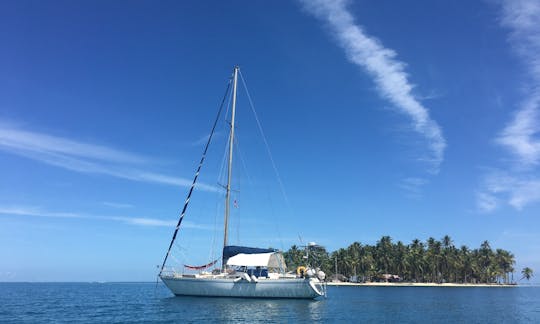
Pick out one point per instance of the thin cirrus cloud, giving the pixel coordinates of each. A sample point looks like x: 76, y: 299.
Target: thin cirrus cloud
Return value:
x: 380, y: 62
x: 204, y: 139
x: 117, y: 204
x: 84, y: 157
x: 521, y: 186
x: 413, y: 186
x: 16, y: 139
x: 517, y: 191
x: 142, y: 221
x: 522, y: 17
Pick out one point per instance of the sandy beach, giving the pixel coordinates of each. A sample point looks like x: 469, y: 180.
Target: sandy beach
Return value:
x: 417, y: 284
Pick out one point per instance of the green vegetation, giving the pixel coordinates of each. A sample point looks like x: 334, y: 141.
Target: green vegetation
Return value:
x: 527, y: 273
x: 432, y: 261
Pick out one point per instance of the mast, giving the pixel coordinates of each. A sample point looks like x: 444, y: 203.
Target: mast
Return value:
x: 229, y: 169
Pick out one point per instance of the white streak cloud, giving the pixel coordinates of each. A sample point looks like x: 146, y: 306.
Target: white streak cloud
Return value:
x: 521, y: 186
x: 84, y: 157
x: 117, y: 205
x: 486, y: 202
x: 520, y: 136
x: 142, y: 221
x: 204, y: 139
x: 517, y: 191
x: 16, y: 139
x: 381, y: 63
x: 413, y: 186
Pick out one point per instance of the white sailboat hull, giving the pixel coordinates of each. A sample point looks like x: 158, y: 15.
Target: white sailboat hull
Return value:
x: 225, y: 287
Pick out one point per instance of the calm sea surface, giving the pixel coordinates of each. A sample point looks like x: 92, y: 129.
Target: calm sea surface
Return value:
x: 143, y: 302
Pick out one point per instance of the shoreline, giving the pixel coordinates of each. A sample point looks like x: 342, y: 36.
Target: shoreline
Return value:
x: 417, y: 284
x: 352, y: 284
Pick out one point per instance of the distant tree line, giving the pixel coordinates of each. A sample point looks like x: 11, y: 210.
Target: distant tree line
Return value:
x: 430, y: 261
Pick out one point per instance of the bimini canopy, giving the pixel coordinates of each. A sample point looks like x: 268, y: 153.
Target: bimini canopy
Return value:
x: 232, y: 250
x: 270, y: 260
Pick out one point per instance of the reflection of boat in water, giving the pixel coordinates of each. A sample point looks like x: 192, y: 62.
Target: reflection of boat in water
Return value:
x: 245, y: 271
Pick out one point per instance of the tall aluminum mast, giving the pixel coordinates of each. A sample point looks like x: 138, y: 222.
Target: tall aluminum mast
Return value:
x: 229, y: 176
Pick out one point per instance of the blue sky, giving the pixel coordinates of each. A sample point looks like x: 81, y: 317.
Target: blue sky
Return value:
x: 384, y: 118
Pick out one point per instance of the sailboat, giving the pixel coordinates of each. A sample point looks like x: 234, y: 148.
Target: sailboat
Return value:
x: 245, y: 271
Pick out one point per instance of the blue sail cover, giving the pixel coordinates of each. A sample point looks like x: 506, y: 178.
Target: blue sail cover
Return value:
x: 232, y: 250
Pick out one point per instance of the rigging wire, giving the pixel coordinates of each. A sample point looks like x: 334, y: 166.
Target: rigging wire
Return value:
x: 281, y: 186
x: 184, y: 253
x: 237, y: 197
x: 220, y: 178
x: 265, y: 142
x: 244, y: 165
x: 196, y: 176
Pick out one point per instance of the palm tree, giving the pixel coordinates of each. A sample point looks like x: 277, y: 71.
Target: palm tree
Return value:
x: 433, y: 258
x: 485, y: 262
x: 450, y: 261
x: 367, y: 263
x: 318, y: 257
x: 383, y: 251
x: 294, y: 257
x: 354, y: 251
x: 434, y: 261
x: 527, y: 273
x: 466, y: 263
x: 454, y: 264
x: 401, y: 266
x: 415, y: 260
x: 504, y: 262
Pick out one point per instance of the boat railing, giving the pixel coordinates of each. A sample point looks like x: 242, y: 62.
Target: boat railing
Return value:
x: 170, y: 273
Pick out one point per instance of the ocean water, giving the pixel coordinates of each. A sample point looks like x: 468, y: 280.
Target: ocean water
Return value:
x: 146, y: 302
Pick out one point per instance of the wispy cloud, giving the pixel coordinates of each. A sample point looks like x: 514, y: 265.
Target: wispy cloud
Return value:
x: 380, y: 62
x: 413, y: 186
x: 516, y: 190
x: 520, y: 136
x: 142, y: 221
x: 116, y: 204
x: 486, y: 202
x: 203, y: 139
x: 17, y: 139
x: 84, y: 157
